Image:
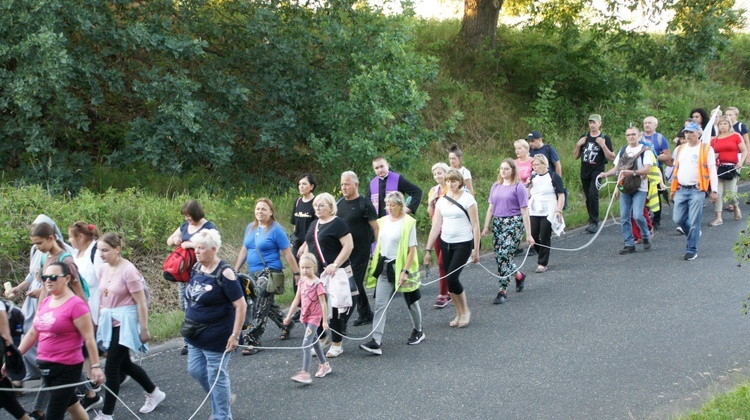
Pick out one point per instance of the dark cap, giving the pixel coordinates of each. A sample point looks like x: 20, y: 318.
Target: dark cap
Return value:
x: 533, y: 136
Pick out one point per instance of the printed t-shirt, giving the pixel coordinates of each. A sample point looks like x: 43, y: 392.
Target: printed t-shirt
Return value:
x: 302, y: 216
x: 59, y: 339
x: 688, y: 160
x: 211, y: 303
x: 311, y: 312
x: 593, y: 160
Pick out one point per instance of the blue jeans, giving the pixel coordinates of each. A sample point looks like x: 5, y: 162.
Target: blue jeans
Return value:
x: 687, y: 214
x: 633, y: 204
x: 203, y: 365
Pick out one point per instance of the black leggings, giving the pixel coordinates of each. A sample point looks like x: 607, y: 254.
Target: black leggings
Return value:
x: 339, y: 320
x: 454, y: 256
x: 118, y: 365
x: 54, y: 374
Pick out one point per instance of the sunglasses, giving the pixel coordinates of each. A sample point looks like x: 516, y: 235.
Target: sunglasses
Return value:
x: 51, y: 277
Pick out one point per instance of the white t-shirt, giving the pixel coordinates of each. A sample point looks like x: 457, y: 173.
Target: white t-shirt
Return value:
x: 543, y: 199
x: 647, y: 159
x: 689, y: 165
x: 389, y: 237
x: 464, y: 173
x: 456, y: 226
x: 89, y: 271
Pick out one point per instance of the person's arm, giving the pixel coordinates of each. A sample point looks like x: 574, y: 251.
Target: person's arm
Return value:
x: 293, y: 306
x: 488, y: 219
x: 29, y: 339
x: 17, y: 290
x: 474, y: 219
x: 743, y: 152
x: 85, y: 327
x: 241, y: 258
x: 302, y: 249
x: 469, y: 185
x: 527, y: 225
x: 347, y: 244
x: 437, y: 223
x: 324, y: 311
x: 287, y: 253
x: 577, y: 150
x: 606, y: 144
x: 240, y: 310
x: 140, y: 301
x: 410, y: 190
x: 5, y: 328
x: 175, y: 238
x: 404, y: 275
x: 558, y: 168
x: 375, y: 228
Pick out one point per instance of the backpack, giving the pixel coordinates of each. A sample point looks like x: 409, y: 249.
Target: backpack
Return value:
x: 246, y: 284
x: 363, y: 210
x: 630, y: 184
x: 84, y: 283
x: 179, y: 264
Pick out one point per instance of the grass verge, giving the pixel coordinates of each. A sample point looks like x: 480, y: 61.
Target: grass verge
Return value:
x: 732, y: 405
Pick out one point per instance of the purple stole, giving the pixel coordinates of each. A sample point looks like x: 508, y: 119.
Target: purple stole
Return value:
x: 391, y: 184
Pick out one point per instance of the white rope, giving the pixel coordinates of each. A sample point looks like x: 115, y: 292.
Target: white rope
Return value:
x: 43, y: 388
x: 121, y: 401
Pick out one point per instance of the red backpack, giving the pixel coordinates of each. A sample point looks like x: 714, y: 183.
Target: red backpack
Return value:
x: 178, y: 265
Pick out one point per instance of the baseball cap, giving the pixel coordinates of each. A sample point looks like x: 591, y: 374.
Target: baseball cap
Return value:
x: 533, y: 136
x: 693, y: 126
x: 595, y: 117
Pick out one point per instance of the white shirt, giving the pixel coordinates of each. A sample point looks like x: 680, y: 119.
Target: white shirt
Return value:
x: 689, y: 165
x: 389, y: 237
x: 543, y: 200
x: 456, y: 225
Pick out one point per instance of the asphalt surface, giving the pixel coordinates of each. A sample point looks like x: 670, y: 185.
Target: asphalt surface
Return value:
x: 599, y: 335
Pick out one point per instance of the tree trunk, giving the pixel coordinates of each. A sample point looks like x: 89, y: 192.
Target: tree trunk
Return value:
x: 479, y: 24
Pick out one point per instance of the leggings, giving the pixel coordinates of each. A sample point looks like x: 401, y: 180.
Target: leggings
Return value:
x: 8, y: 400
x: 119, y: 364
x: 310, y: 337
x: 541, y: 230
x: 454, y: 256
x: 443, y: 284
x: 506, y: 232
x: 338, y: 322
x: 54, y: 374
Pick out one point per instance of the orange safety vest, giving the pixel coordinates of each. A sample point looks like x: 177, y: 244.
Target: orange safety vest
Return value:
x: 704, y: 176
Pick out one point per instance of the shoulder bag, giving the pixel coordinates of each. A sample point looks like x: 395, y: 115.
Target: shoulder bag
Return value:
x: 276, y: 279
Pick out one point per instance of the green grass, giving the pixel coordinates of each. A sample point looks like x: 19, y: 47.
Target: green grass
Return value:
x: 165, y: 325
x: 732, y: 405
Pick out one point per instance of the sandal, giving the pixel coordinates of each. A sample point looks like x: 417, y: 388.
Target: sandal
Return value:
x: 716, y: 222
x: 250, y: 352
x: 455, y: 321
x: 729, y: 207
x: 286, y: 332
x: 737, y: 213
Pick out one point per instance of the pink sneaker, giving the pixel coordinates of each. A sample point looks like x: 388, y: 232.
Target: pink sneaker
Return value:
x: 323, y: 370
x: 302, y: 377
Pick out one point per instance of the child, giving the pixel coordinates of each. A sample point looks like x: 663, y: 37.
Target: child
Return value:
x: 311, y: 295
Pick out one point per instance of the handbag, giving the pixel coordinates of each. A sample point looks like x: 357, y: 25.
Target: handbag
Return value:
x: 192, y: 329
x: 276, y: 279
x: 726, y: 171
x: 341, y: 285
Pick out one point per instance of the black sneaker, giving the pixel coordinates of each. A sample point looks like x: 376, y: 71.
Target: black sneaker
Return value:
x: 646, y: 244
x: 371, y: 346
x: 416, y: 337
x: 629, y: 249
x: 520, y: 283
x: 92, y: 403
x: 95, y: 387
x: 592, y: 228
x: 363, y: 320
x: 36, y: 416
x: 500, y: 298
x: 690, y: 256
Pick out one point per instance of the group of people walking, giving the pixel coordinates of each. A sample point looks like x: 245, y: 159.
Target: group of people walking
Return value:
x: 85, y: 299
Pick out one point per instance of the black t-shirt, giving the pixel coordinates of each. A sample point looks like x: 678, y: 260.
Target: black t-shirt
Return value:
x: 358, y: 222
x: 329, y: 235
x: 593, y: 160
x: 302, y: 216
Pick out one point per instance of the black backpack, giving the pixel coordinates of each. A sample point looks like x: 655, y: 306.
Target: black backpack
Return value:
x: 15, y: 319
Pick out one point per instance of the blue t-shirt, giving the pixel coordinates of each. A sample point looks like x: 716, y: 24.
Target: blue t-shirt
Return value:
x: 547, y: 151
x: 186, y: 237
x: 271, y: 241
x: 210, y: 303
x: 740, y: 128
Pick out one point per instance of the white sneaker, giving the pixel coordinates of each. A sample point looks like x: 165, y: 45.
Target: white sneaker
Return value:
x: 102, y: 416
x: 152, y: 400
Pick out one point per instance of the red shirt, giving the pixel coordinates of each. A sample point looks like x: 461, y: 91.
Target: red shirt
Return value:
x: 727, y: 149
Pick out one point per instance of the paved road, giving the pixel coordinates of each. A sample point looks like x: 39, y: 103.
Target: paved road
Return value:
x: 599, y: 335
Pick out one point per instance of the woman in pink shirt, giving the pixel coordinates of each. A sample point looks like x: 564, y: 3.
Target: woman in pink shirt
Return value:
x: 62, y: 323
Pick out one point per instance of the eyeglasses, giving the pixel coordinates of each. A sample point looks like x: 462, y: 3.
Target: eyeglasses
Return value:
x: 51, y: 277
x: 321, y: 206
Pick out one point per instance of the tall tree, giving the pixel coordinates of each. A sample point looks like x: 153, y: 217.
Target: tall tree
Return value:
x: 479, y: 23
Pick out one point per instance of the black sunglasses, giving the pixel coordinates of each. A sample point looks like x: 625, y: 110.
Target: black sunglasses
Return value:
x: 51, y: 277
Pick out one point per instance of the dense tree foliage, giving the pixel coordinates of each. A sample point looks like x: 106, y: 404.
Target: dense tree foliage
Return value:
x: 243, y: 88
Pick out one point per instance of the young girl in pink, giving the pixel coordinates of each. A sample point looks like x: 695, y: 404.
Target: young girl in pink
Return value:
x: 312, y: 296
